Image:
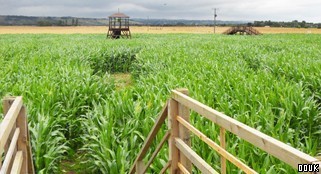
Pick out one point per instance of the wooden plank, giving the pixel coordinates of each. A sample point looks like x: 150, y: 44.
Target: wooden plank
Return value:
x: 9, y: 121
x: 15, y: 147
x: 173, y: 126
x: 272, y: 146
x: 182, y: 168
x: 17, y: 163
x: 167, y: 165
x: 194, y: 158
x: 31, y: 169
x: 23, y: 138
x: 222, y: 143
x: 12, y: 147
x: 216, y: 147
x: 152, y: 134
x: 159, y: 147
x: 6, y: 104
x: 184, y: 133
x: 140, y: 167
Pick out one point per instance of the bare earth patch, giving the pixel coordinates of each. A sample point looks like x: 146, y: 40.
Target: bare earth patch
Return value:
x: 122, y: 80
x: 142, y: 29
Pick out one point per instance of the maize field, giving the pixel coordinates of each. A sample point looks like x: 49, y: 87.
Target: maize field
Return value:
x: 79, y: 118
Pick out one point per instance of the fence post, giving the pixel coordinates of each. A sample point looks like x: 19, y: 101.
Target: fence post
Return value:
x: 184, y: 133
x: 23, y: 140
x: 222, y: 143
x: 173, y: 126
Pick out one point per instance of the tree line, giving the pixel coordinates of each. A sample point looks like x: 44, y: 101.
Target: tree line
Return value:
x: 74, y: 21
x: 61, y: 22
x: 292, y: 24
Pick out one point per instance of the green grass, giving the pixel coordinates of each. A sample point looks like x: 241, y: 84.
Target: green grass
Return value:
x: 269, y: 82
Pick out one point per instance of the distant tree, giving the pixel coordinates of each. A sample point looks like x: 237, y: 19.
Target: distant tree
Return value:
x: 259, y: 23
x: 295, y: 24
x: 60, y: 23
x: 269, y: 23
x: 276, y: 24
x: 44, y: 23
x: 180, y: 24
x: 76, y: 23
x: 303, y: 24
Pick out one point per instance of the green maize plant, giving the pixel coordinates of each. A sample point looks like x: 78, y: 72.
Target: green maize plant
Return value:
x: 77, y: 114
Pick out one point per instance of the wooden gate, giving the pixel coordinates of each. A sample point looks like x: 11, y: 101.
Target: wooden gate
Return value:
x: 14, y: 139
x: 181, y: 156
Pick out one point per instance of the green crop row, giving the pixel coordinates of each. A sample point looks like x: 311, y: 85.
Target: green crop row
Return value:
x: 75, y: 113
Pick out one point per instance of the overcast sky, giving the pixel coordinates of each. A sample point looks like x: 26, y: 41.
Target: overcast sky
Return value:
x: 245, y: 10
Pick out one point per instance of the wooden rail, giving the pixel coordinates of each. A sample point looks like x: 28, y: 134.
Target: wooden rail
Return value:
x: 14, y: 139
x: 181, y: 155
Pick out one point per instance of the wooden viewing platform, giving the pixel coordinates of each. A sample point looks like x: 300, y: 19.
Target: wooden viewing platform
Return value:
x: 118, y: 26
x: 242, y: 30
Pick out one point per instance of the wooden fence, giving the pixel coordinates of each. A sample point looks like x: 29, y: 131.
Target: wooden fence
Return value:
x: 181, y: 156
x: 15, y: 151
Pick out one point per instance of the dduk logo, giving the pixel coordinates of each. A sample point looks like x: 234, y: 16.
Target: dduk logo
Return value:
x: 308, y: 167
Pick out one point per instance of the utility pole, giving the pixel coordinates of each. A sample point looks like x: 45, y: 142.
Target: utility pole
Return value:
x: 148, y: 25
x: 214, y: 22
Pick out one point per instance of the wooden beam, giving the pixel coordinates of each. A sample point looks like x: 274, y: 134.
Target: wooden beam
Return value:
x: 167, y: 165
x: 159, y: 147
x: 140, y: 167
x: 9, y: 121
x: 194, y: 158
x: 23, y: 138
x: 173, y: 126
x: 222, y: 143
x: 17, y: 164
x: 31, y: 169
x: 216, y: 147
x: 6, y: 104
x: 152, y: 134
x: 184, y: 133
x: 272, y: 146
x: 182, y: 168
x: 12, y: 147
